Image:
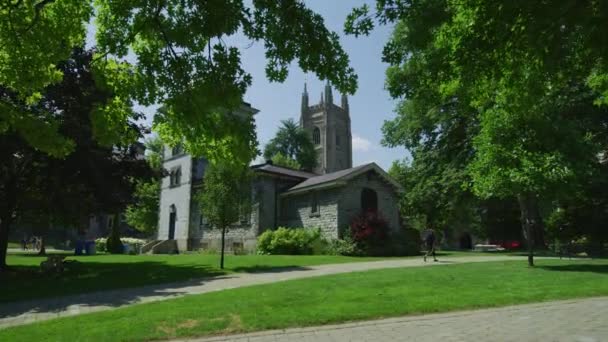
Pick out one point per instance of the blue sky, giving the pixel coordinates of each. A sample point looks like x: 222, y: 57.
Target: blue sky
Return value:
x: 369, y: 107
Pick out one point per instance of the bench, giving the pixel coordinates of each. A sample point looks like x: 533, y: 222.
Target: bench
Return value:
x: 488, y: 248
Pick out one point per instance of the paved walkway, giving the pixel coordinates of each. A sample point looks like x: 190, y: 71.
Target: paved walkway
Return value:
x: 584, y: 320
x: 37, y: 310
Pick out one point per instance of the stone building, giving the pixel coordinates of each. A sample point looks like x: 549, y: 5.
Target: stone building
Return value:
x: 327, y: 198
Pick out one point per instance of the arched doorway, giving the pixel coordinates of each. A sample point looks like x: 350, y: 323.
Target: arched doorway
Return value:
x: 466, y: 242
x: 172, y: 219
x: 369, y: 200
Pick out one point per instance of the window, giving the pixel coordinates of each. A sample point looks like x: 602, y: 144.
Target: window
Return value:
x: 369, y: 200
x: 337, y: 140
x: 177, y: 149
x: 316, y: 136
x: 175, y: 177
x: 314, y: 204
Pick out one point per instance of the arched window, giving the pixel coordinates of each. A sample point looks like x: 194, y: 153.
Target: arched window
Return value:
x: 316, y: 136
x: 175, y: 177
x: 369, y: 200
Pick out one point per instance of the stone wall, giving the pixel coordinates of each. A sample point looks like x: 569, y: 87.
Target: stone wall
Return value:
x: 204, y: 236
x: 299, y: 213
x: 350, y: 199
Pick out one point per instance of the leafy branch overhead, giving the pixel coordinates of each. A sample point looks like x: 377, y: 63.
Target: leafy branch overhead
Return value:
x: 183, y: 62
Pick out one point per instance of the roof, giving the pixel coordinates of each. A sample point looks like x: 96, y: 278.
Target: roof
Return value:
x: 339, y: 177
x: 284, y: 171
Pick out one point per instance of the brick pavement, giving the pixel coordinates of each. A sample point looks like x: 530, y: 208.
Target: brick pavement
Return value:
x: 582, y: 320
x: 18, y: 313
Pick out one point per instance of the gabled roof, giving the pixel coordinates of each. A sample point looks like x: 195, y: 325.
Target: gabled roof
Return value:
x: 340, y: 177
x: 283, y: 171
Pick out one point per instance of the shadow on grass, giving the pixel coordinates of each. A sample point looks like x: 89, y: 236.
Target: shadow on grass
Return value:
x: 96, y: 283
x: 577, y: 268
x: 269, y: 269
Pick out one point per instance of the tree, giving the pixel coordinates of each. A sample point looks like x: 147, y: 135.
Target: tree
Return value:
x: 293, y: 142
x: 184, y: 62
x: 282, y: 160
x: 143, y: 213
x: 225, y: 197
x: 529, y: 72
x: 65, y: 191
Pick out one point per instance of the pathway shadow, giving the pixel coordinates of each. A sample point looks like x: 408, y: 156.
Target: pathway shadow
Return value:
x: 270, y: 269
x: 97, y: 284
x: 577, y: 268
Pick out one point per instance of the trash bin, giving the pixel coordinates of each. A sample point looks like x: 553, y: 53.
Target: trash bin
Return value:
x: 90, y: 247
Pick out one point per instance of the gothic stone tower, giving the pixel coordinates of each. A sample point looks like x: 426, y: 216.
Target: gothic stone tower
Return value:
x: 329, y: 126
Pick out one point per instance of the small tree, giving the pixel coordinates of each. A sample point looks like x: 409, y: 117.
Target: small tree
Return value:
x: 143, y: 213
x: 225, y: 197
x: 294, y: 143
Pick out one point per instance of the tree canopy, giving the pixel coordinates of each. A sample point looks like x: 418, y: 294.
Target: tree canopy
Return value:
x: 183, y: 61
x: 293, y: 142
x: 92, y: 179
x: 523, y: 83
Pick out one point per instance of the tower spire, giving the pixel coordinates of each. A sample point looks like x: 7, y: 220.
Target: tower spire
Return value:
x: 345, y: 102
x: 304, y: 107
x: 329, y: 99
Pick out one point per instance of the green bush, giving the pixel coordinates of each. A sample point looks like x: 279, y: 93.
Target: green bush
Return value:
x: 101, y: 245
x: 345, y: 246
x: 290, y: 241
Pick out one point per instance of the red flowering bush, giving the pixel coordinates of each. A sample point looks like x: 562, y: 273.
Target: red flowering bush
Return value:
x: 370, y: 231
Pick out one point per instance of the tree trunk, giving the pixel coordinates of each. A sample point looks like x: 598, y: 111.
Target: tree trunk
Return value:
x: 526, y: 207
x: 42, y: 250
x: 4, y: 229
x: 223, y: 245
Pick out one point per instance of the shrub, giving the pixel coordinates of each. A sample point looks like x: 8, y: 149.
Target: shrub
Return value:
x: 345, y: 246
x: 370, y: 232
x: 134, y: 243
x: 101, y: 245
x: 289, y: 241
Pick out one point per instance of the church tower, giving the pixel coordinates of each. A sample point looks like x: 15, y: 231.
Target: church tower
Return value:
x: 329, y: 126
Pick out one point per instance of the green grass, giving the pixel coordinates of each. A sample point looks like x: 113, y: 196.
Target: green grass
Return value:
x: 331, y: 299
x: 105, y: 272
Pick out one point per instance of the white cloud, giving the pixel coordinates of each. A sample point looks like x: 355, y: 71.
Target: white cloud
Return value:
x: 361, y: 144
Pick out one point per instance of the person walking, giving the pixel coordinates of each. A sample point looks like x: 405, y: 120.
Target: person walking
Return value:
x: 24, y: 243
x: 430, y: 240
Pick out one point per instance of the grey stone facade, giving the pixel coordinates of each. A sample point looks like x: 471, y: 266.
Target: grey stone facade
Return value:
x: 339, y: 203
x: 328, y: 199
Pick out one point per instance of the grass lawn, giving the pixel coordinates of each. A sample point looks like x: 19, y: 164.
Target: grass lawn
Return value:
x: 104, y: 272
x: 331, y: 299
